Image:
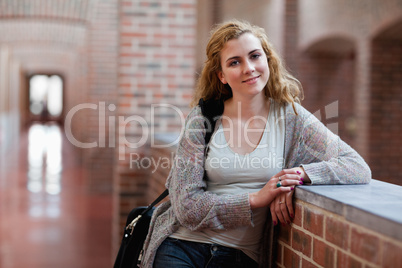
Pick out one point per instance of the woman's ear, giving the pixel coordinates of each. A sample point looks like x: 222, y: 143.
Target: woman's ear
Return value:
x: 222, y: 77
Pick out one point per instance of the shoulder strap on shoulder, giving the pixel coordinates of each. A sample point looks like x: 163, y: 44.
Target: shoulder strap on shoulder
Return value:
x: 211, y: 110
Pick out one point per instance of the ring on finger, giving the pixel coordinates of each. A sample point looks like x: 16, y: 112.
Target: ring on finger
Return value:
x: 280, y: 178
x: 279, y: 184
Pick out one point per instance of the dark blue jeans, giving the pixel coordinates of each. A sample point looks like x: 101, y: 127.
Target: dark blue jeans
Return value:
x: 174, y: 253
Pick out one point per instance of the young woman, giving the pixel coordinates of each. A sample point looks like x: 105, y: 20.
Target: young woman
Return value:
x: 226, y: 196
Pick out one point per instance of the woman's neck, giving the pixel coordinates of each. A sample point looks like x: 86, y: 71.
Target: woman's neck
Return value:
x: 246, y: 108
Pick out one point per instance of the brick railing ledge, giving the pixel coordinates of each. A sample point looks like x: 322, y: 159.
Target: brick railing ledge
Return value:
x: 377, y: 205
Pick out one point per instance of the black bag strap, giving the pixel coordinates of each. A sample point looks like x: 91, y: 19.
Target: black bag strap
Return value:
x: 210, y: 109
x: 156, y: 201
x: 132, y: 224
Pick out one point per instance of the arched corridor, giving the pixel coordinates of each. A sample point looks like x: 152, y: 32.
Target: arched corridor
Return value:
x: 48, y: 217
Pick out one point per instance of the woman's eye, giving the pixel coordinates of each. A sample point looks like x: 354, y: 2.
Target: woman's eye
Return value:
x: 255, y: 56
x: 233, y: 63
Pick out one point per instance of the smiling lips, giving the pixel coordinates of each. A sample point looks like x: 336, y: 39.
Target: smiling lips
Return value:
x: 251, y: 80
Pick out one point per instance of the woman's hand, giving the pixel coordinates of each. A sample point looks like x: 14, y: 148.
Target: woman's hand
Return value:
x: 287, y: 179
x: 282, y: 207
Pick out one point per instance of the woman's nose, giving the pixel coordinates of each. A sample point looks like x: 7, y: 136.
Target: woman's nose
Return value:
x: 249, y: 67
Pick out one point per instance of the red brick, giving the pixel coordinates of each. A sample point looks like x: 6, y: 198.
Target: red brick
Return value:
x: 385, y: 88
x: 290, y: 258
x: 347, y: 261
x: 337, y: 232
x: 133, y: 55
x: 301, y: 242
x: 133, y: 34
x: 298, y: 208
x: 323, y: 254
x: 167, y: 36
x: 285, y: 233
x: 366, y: 246
x: 392, y: 255
x: 279, y: 253
x: 313, y: 221
x: 308, y: 264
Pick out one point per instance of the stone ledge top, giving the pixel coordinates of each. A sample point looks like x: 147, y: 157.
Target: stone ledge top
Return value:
x: 377, y: 205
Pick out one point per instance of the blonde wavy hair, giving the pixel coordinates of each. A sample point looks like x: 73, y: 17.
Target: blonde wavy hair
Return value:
x: 281, y: 87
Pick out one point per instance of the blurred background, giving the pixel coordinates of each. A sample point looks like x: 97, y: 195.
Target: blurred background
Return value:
x: 79, y: 81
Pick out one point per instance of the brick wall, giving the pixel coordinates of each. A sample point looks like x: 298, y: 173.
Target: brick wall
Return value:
x: 326, y: 76
x: 319, y: 238
x: 102, y: 90
x: 156, y: 67
x: 290, y: 36
x: 386, y: 107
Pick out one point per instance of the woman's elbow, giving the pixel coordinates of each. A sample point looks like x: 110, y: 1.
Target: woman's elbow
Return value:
x: 364, y: 174
x: 367, y: 178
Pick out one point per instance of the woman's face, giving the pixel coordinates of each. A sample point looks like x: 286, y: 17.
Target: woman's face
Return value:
x: 244, y: 66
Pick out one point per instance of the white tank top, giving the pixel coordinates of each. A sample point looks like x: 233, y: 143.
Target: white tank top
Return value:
x: 233, y: 173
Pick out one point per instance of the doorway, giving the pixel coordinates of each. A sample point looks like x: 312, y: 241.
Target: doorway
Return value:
x: 45, y: 97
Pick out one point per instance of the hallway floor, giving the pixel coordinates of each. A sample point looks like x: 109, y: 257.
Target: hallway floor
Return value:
x: 48, y: 218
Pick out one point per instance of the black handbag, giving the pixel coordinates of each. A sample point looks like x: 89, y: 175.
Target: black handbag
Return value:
x: 137, y: 224
x: 135, y: 232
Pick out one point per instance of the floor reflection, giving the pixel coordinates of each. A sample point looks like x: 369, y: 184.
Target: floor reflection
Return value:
x: 48, y: 218
x: 44, y: 170
x: 44, y: 159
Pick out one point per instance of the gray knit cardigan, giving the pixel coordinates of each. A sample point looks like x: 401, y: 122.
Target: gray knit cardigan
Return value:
x: 308, y: 143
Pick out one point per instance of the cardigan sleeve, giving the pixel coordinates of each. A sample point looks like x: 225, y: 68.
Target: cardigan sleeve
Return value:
x: 324, y: 156
x: 195, y: 207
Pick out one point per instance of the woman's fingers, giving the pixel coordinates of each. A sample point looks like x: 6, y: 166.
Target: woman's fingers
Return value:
x: 287, y: 207
x: 289, y: 183
x: 276, y: 210
x: 275, y: 219
x: 279, y: 209
x: 282, y: 208
x: 283, y: 182
x: 285, y: 172
x: 290, y: 177
x: 289, y: 204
